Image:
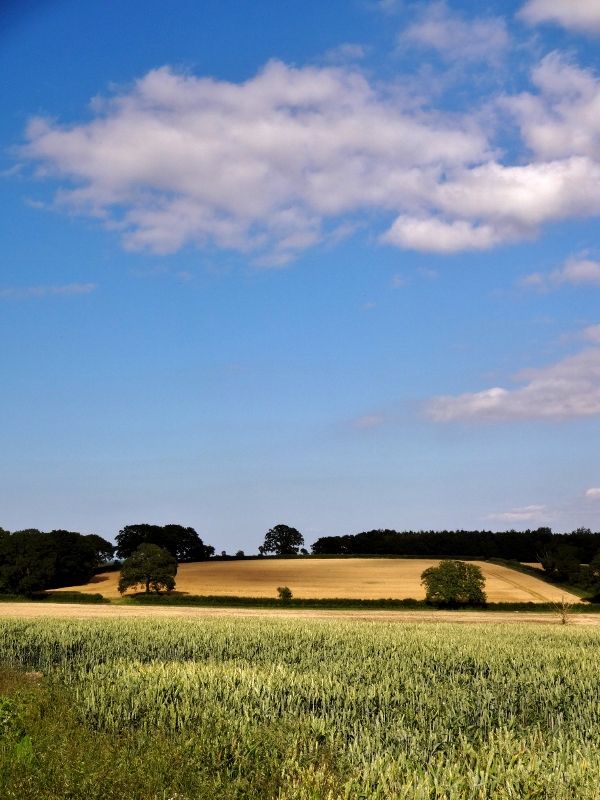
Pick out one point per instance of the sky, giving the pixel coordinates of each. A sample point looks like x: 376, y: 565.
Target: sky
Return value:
x: 334, y: 265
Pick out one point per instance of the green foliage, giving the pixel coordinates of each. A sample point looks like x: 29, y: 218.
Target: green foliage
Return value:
x: 10, y: 720
x: 151, y: 567
x: 87, y: 598
x: 182, y: 543
x: 454, y: 583
x: 31, y: 560
x: 284, y: 593
x: 282, y: 540
x: 562, y: 563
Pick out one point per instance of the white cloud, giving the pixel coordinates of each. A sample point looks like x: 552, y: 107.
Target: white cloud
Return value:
x: 516, y: 200
x: 524, y: 514
x: 257, y: 166
x: 568, y: 389
x: 579, y: 271
x: 593, y: 492
x: 24, y: 292
x: 455, y: 37
x: 563, y: 118
x: 437, y: 236
x: 578, y: 15
x: 287, y: 159
x: 575, y: 271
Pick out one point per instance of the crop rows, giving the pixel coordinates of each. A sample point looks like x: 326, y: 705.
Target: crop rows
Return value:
x: 368, y: 711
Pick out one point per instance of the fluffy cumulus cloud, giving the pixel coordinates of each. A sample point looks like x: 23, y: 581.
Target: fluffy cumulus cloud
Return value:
x: 593, y: 493
x: 577, y: 15
x: 254, y: 166
x: 455, y: 37
x: 567, y: 389
x: 276, y: 164
x: 562, y: 118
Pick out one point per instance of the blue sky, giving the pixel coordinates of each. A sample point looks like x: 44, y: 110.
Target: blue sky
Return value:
x: 334, y: 265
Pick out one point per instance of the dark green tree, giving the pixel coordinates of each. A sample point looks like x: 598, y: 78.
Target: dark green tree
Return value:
x: 283, y: 541
x: 105, y: 551
x: 27, y: 562
x: 562, y: 563
x: 183, y: 543
x: 149, y: 566
x: 31, y: 561
x: 454, y: 583
x: 594, y: 570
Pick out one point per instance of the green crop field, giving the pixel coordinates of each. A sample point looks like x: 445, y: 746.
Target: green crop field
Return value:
x: 163, y: 709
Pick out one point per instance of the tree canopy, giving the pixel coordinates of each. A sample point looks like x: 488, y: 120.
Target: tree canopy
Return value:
x: 283, y: 541
x: 454, y: 583
x: 181, y: 542
x: 31, y: 561
x: 149, y: 566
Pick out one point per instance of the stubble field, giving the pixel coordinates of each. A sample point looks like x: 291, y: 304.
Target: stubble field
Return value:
x: 356, y: 578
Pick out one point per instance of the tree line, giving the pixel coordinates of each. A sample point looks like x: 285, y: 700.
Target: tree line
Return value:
x: 32, y: 560
x: 527, y: 546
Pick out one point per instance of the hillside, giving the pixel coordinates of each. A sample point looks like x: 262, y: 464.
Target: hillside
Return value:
x: 334, y: 577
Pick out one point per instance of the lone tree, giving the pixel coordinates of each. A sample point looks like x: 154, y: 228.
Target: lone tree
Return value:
x: 150, y: 566
x: 283, y: 541
x: 454, y: 583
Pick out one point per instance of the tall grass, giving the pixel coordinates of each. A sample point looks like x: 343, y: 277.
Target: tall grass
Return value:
x: 331, y: 710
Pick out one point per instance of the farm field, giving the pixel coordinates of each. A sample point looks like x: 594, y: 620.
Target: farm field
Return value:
x: 335, y: 577
x: 281, y: 709
x: 79, y: 611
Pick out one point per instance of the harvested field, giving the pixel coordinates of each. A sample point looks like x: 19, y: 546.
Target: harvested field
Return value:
x: 357, y: 578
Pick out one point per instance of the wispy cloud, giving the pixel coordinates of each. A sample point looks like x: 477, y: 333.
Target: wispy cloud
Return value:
x: 575, y: 271
x: 345, y: 53
x: 455, y: 37
x: 593, y: 493
x: 592, y: 334
x: 26, y: 292
x: 531, y: 513
x: 578, y: 15
x: 567, y: 389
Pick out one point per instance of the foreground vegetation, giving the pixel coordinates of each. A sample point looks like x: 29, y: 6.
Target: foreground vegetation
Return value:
x: 255, y: 709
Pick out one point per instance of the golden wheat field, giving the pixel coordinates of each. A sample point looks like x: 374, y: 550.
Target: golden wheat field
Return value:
x: 363, y: 578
